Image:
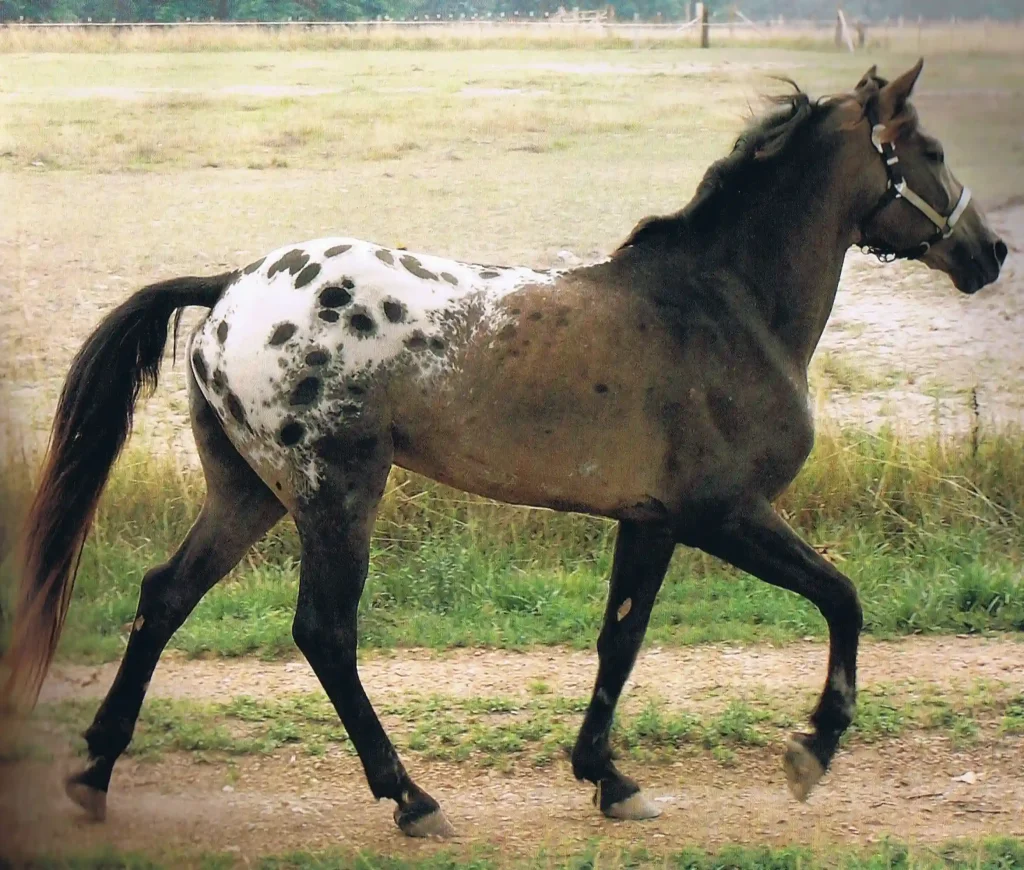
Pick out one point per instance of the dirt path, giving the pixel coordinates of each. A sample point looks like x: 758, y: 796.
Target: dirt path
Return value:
x: 910, y: 788
x: 686, y: 678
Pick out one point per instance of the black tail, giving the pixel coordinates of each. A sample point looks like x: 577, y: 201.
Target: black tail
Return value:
x: 92, y: 423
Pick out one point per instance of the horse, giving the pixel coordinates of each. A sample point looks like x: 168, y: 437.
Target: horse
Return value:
x: 664, y: 388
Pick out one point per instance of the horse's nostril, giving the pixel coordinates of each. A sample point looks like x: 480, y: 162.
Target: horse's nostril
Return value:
x: 1001, y: 251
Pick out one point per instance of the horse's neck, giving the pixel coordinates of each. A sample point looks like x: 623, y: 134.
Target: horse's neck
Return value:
x: 789, y: 250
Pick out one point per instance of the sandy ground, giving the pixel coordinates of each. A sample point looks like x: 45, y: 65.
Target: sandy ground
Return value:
x: 912, y: 788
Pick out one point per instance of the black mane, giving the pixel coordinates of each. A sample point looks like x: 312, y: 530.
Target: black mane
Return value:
x: 763, y: 141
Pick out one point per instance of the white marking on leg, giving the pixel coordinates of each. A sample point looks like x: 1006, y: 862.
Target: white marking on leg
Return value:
x: 624, y: 609
x: 140, y: 621
x: 842, y: 686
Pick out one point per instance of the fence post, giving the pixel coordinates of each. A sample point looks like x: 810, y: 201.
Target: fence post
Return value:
x: 705, y: 27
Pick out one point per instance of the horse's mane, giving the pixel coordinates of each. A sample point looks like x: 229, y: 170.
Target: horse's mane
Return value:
x: 764, y: 141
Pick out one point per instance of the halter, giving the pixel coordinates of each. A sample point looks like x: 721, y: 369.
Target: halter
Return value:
x: 897, y: 188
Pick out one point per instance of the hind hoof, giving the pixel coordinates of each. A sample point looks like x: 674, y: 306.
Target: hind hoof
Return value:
x: 803, y: 769
x: 433, y: 823
x: 635, y: 808
x: 92, y: 800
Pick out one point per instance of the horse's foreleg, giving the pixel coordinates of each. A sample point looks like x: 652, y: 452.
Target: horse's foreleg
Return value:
x: 642, y: 555
x: 759, y: 542
x: 335, y: 528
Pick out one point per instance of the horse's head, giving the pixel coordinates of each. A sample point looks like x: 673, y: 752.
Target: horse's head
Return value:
x: 921, y: 211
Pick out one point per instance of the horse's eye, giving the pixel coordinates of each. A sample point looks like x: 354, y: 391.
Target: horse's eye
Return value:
x: 935, y: 155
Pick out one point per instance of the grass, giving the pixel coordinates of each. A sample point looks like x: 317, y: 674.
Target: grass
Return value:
x: 930, y: 532
x: 644, y: 110
x: 993, y: 853
x: 505, y: 732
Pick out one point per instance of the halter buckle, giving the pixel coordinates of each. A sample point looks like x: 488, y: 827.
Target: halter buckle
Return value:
x: 876, y: 137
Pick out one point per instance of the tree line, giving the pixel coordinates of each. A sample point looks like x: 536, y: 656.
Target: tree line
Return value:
x: 355, y: 10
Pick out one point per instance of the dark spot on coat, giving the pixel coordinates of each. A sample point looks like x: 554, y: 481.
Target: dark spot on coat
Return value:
x: 306, y: 391
x: 356, y: 389
x: 252, y: 267
x: 292, y: 262
x: 489, y: 273
x: 219, y: 380
x: 335, y: 297
x: 535, y: 315
x: 725, y: 414
x: 329, y: 314
x: 437, y: 345
x: 291, y: 433
x: 515, y: 312
x: 415, y: 267
x: 362, y: 323
x: 351, y: 409
x: 235, y: 409
x: 385, y: 256
x: 307, y: 275
x: 394, y: 311
x: 416, y: 341
x: 450, y: 278
x: 562, y: 320
x: 318, y: 358
x: 600, y: 388
x: 222, y: 332
x: 199, y: 366
x: 365, y: 446
x: 337, y: 249
x: 508, y: 332
x: 330, y: 449
x: 282, y: 332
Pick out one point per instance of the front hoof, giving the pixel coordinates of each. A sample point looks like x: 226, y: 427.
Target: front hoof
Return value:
x: 424, y: 818
x: 802, y: 766
x: 635, y: 808
x: 90, y: 799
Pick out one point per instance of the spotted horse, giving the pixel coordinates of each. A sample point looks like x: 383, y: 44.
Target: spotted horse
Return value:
x: 665, y: 388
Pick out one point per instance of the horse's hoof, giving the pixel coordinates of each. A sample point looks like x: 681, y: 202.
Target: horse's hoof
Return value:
x: 92, y: 800
x: 431, y: 824
x: 634, y: 808
x: 803, y: 769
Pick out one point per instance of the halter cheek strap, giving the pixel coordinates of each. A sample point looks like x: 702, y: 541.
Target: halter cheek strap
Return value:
x: 897, y: 188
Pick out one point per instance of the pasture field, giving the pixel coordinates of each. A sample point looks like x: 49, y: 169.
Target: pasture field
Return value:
x: 126, y: 167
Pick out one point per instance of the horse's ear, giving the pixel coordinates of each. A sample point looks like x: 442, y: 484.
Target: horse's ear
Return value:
x: 893, y: 97
x: 867, y: 78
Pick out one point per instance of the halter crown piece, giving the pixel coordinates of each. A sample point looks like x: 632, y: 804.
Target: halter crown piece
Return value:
x: 897, y: 188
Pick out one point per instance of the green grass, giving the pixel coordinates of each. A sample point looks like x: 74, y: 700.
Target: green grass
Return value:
x: 503, y: 732
x: 994, y: 853
x: 930, y: 533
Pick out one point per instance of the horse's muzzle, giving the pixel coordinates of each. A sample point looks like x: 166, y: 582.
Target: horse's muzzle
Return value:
x: 980, y: 270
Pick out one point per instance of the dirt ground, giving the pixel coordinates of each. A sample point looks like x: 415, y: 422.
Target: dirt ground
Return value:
x: 913, y: 788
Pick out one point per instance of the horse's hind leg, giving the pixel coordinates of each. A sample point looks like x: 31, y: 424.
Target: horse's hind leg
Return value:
x: 239, y: 509
x: 335, y: 527
x: 759, y: 542
x: 642, y: 555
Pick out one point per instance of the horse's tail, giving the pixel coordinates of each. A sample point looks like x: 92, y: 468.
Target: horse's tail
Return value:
x: 91, y: 424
